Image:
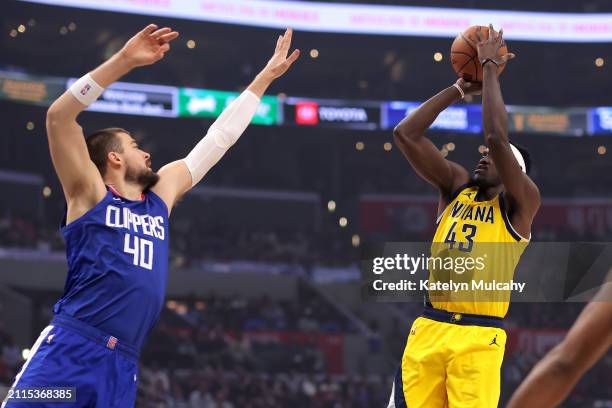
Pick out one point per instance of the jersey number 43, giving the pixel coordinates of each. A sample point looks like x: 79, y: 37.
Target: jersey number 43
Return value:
x: 469, y: 230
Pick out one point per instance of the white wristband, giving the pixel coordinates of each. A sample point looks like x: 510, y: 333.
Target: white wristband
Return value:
x: 86, y: 90
x: 460, y: 90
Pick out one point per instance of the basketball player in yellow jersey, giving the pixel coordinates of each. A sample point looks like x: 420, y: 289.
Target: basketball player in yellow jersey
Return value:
x: 454, y: 352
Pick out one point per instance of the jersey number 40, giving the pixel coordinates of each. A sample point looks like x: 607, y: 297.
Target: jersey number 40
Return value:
x: 141, y: 250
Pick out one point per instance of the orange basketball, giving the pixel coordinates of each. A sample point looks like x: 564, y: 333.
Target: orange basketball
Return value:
x: 464, y: 55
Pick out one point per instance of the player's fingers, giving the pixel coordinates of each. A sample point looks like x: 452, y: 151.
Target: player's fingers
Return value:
x: 286, y: 42
x: 158, y: 33
x: 500, y: 34
x: 492, y: 33
x: 166, y: 38
x: 162, y: 50
x: 294, y: 56
x: 148, y: 29
x: 278, y: 42
x: 510, y: 56
x: 479, y: 36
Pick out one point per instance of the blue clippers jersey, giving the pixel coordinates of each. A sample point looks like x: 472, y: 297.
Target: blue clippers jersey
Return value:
x: 117, y: 257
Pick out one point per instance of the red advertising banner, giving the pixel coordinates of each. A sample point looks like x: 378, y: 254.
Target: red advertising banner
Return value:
x: 533, y: 341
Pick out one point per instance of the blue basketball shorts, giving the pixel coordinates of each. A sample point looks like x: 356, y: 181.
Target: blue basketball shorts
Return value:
x: 71, y: 354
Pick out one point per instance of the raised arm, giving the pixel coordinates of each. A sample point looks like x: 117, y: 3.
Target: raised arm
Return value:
x: 522, y: 193
x: 180, y: 176
x: 423, y: 155
x: 81, y: 181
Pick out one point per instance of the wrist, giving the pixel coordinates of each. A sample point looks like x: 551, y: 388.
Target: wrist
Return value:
x: 455, y: 92
x: 260, y: 84
x: 488, y: 62
x: 123, y: 61
x: 459, y: 89
x: 265, y: 77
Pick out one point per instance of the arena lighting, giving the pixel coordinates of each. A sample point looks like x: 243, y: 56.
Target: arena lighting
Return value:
x: 331, y: 206
x: 355, y: 240
x: 314, y: 53
x: 343, y: 222
x: 191, y: 44
x: 367, y: 18
x: 481, y: 149
x: 25, y: 353
x: 72, y: 26
x: 46, y: 192
x: 601, y: 150
x: 30, y: 125
x: 450, y: 146
x: 21, y: 28
x: 438, y: 56
x: 387, y: 146
x: 359, y: 146
x: 13, y: 33
x: 63, y: 30
x: 599, y: 62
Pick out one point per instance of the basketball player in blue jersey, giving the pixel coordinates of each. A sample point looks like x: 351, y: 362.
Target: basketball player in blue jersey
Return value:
x: 116, y: 230
x: 454, y: 352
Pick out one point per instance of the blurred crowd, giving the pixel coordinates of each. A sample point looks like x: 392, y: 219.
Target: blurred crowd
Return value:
x: 208, y: 387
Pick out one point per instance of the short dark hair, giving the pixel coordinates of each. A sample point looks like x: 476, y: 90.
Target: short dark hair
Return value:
x: 526, y: 156
x: 101, y: 142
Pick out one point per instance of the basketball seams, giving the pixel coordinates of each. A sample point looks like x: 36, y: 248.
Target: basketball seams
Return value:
x: 469, y: 43
x: 466, y: 62
x: 462, y: 53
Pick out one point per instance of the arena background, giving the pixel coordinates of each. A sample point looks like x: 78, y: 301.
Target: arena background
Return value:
x: 263, y: 302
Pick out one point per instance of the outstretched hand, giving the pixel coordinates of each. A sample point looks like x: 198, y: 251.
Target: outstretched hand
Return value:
x: 280, y: 63
x: 148, y: 46
x: 489, y: 48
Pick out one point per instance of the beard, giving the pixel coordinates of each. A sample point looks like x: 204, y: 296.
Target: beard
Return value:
x: 145, y: 178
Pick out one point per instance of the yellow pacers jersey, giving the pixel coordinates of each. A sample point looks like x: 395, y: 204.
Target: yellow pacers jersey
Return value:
x: 474, y: 253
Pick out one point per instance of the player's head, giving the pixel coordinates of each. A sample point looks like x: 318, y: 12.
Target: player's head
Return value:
x: 486, y: 175
x: 115, y: 150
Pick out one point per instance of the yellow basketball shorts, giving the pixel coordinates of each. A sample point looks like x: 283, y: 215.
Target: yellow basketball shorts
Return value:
x: 447, y: 365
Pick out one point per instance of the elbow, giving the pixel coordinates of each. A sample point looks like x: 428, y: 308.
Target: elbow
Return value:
x: 402, y: 137
x: 57, y: 113
x: 564, y: 361
x: 54, y: 115
x: 496, y: 138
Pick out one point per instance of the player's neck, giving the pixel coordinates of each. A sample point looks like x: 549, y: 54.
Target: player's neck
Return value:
x: 488, y: 193
x: 126, y: 190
